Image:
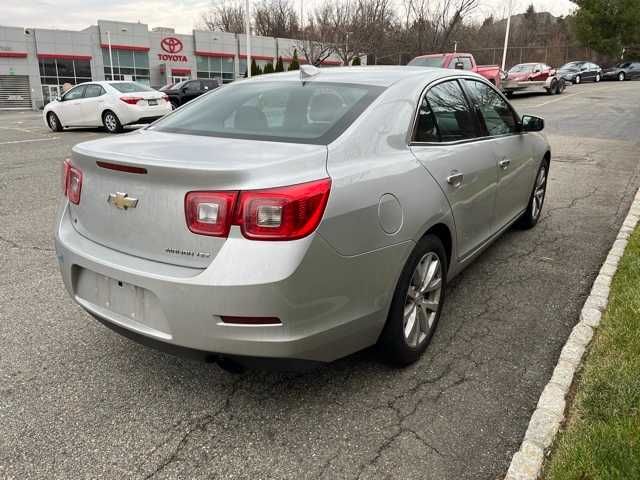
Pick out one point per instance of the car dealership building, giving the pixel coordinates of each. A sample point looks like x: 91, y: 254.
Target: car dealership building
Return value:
x: 36, y: 62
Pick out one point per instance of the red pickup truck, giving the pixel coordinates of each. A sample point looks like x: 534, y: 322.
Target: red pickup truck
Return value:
x: 461, y: 61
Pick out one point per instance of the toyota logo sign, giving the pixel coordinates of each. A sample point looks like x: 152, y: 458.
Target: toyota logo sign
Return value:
x: 171, y: 45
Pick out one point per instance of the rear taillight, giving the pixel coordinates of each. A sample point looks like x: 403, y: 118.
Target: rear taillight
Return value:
x: 283, y: 213
x: 210, y: 213
x: 131, y: 100
x: 165, y: 97
x: 72, y: 183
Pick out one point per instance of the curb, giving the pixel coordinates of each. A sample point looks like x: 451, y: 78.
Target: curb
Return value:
x: 527, y: 462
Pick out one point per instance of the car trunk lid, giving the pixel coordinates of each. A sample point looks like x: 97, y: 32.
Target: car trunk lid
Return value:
x: 142, y: 213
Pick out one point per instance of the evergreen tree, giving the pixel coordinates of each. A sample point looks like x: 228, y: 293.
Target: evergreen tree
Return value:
x: 356, y: 61
x: 295, y: 64
x: 279, y: 65
x: 608, y: 26
x: 255, y: 69
x: 268, y: 68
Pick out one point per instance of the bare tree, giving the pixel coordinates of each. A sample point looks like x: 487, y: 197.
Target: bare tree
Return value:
x: 429, y: 25
x: 276, y: 18
x: 225, y: 18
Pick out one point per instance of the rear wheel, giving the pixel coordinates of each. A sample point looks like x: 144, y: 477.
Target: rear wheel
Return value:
x: 530, y: 217
x: 174, y: 104
x: 417, y: 303
x: 54, y: 122
x: 111, y: 122
x: 598, y: 78
x: 577, y: 80
x: 621, y: 76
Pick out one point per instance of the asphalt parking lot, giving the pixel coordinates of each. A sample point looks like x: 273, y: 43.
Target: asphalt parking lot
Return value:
x: 78, y: 401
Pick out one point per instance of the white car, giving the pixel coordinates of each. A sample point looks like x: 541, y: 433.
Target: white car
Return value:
x: 109, y: 104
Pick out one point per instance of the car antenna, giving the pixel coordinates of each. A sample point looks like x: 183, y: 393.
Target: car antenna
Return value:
x: 308, y: 71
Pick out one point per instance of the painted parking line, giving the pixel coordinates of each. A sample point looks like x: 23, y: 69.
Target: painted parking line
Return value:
x: 16, y: 128
x: 30, y: 140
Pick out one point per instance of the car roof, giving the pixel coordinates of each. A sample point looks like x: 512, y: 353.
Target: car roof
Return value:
x: 383, y: 76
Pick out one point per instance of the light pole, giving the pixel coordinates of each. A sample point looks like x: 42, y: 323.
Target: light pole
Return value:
x: 346, y: 50
x: 110, y: 54
x: 506, y: 36
x: 247, y: 26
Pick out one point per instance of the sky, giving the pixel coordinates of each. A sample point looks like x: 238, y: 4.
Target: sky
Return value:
x: 183, y: 15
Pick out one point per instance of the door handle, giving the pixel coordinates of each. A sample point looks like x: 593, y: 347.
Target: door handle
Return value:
x: 455, y: 179
x: 504, y: 163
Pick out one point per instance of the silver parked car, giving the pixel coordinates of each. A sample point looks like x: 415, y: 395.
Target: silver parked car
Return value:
x: 299, y: 216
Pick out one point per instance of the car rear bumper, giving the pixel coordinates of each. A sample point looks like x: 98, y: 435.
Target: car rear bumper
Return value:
x: 145, y: 120
x: 329, y: 305
x: 130, y: 114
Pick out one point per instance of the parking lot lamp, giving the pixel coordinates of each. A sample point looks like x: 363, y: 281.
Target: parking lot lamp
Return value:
x: 506, y: 36
x: 247, y: 26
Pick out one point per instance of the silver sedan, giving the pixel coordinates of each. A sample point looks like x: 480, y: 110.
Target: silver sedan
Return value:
x: 298, y: 216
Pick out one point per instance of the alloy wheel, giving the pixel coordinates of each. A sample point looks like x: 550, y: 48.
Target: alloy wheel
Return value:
x: 539, y: 193
x: 597, y: 77
x: 621, y: 76
x: 110, y: 122
x: 577, y: 80
x: 53, y: 123
x: 423, y: 300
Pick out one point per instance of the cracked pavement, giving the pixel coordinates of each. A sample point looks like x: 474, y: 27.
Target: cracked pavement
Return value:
x: 78, y: 401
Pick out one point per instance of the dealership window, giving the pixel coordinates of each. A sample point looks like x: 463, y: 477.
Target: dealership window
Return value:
x: 127, y: 65
x: 55, y: 72
x: 220, y: 68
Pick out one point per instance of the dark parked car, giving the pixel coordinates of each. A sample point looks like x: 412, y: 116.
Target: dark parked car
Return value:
x: 578, y: 72
x: 182, y: 92
x: 622, y: 71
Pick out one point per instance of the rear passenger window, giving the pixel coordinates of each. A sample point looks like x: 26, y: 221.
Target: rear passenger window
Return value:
x: 497, y: 115
x: 93, y: 91
x: 444, y: 115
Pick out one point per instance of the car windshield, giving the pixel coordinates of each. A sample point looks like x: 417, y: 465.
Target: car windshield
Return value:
x: 427, y: 61
x: 311, y: 112
x: 168, y: 86
x: 623, y: 65
x: 525, y: 67
x: 570, y: 66
x: 130, y: 87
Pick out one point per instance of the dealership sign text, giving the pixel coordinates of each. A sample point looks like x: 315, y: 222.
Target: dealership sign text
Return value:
x: 172, y: 58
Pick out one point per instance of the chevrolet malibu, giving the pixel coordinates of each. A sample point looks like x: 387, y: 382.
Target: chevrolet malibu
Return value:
x: 299, y: 216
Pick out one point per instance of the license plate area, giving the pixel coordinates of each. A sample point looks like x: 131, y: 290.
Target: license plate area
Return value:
x: 153, y: 102
x: 128, y: 304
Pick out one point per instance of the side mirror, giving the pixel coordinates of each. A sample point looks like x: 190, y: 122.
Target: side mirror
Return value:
x: 537, y: 70
x: 459, y: 66
x: 532, y: 124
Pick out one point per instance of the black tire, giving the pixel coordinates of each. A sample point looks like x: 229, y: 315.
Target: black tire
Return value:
x: 54, y: 122
x: 577, y: 80
x: 561, y: 86
x: 509, y: 94
x: 174, y: 104
x: 553, y: 89
x: 111, y: 122
x: 622, y: 77
x: 393, y: 343
x: 531, y: 215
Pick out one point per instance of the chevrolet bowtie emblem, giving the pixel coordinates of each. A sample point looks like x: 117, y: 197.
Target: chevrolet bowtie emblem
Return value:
x: 122, y: 201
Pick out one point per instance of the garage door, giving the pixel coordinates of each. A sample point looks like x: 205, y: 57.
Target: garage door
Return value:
x: 15, y: 92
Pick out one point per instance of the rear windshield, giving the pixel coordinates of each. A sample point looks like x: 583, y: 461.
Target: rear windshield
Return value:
x: 130, y: 87
x: 313, y: 112
x: 427, y: 61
